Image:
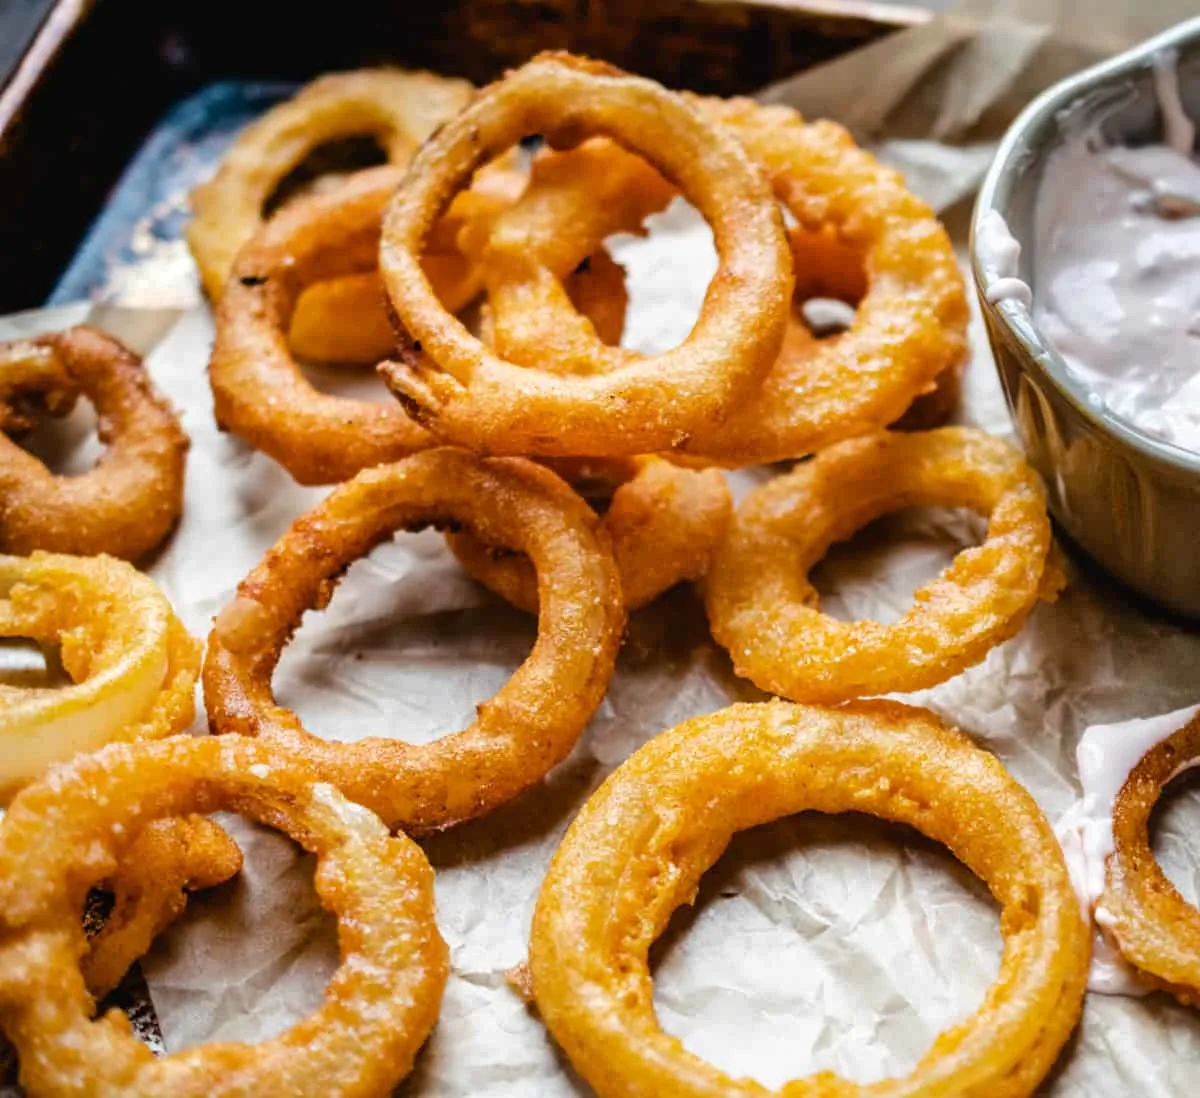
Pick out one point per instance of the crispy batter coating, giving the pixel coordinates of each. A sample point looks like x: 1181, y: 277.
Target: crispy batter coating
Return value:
x: 66, y: 833
x: 663, y: 521
x: 1154, y: 927
x: 640, y: 845
x: 168, y: 859
x: 527, y: 728
x: 130, y: 501
x: 469, y: 395
x: 132, y: 663
x: 762, y: 607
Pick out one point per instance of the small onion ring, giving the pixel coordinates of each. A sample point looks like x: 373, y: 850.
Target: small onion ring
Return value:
x: 133, y: 665
x: 398, y: 108
x: 64, y: 834
x: 663, y: 521
x: 525, y: 729
x: 469, y: 395
x: 168, y: 859
x: 129, y: 502
x: 764, y: 610
x: 1154, y: 927
x: 640, y: 845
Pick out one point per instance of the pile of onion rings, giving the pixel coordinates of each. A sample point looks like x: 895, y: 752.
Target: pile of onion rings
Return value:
x: 63, y: 835
x: 132, y: 664
x: 663, y: 521
x: 1153, y: 926
x: 455, y: 385
x: 764, y: 610
x: 638, y: 848
x: 525, y: 729
x: 129, y: 502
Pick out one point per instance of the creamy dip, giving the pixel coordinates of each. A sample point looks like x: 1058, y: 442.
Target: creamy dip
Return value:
x: 1117, y: 270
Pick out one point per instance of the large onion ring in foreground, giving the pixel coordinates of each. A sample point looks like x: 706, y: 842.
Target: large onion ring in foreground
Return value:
x: 132, y: 663
x: 129, y: 502
x: 469, y: 395
x: 663, y: 521
x: 168, y: 859
x: 65, y: 834
x: 528, y: 727
x: 1154, y: 927
x: 762, y: 607
x: 640, y: 845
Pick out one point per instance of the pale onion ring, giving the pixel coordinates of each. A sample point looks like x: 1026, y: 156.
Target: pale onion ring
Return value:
x: 132, y: 663
x: 129, y: 502
x: 70, y: 831
x: 469, y: 395
x: 764, y: 610
x: 527, y: 728
x: 640, y: 845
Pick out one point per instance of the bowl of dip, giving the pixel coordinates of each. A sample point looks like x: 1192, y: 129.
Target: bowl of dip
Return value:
x: 1085, y: 246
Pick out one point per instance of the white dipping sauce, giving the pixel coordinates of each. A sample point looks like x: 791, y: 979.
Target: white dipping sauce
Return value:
x: 1106, y: 756
x: 1117, y: 271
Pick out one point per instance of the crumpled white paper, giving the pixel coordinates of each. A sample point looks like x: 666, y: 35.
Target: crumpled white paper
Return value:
x: 815, y: 943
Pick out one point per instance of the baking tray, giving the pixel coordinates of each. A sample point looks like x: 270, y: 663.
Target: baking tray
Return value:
x: 98, y: 75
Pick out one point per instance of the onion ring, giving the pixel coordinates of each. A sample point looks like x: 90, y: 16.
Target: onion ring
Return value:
x: 663, y: 521
x: 525, y: 729
x: 862, y: 237
x: 129, y: 502
x: 469, y: 395
x: 763, y: 609
x: 64, y: 834
x: 1153, y: 926
x: 168, y: 859
x: 640, y: 845
x: 133, y: 665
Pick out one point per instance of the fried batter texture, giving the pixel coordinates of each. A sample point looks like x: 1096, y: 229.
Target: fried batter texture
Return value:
x: 132, y: 663
x: 764, y: 610
x: 471, y: 396
x: 1153, y: 926
x: 526, y: 728
x: 663, y: 521
x: 65, y: 834
x: 640, y: 845
x: 129, y: 502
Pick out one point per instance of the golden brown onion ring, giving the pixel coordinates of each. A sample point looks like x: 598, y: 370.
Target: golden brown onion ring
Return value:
x: 400, y: 109
x: 471, y: 396
x: 129, y: 502
x: 1153, y: 926
x: 528, y: 727
x: 762, y: 607
x: 132, y: 663
x: 640, y: 845
x: 663, y: 521
x: 168, y: 859
x: 67, y: 833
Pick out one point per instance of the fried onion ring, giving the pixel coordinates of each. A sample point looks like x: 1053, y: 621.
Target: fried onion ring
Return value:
x: 1153, y: 926
x: 663, y: 522
x: 168, y: 859
x: 764, y: 610
x: 517, y: 736
x: 640, y: 845
x: 64, y: 834
x: 862, y: 237
x: 469, y: 395
x: 132, y: 663
x: 129, y: 502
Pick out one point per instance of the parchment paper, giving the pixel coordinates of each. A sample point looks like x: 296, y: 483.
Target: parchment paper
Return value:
x: 815, y: 943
